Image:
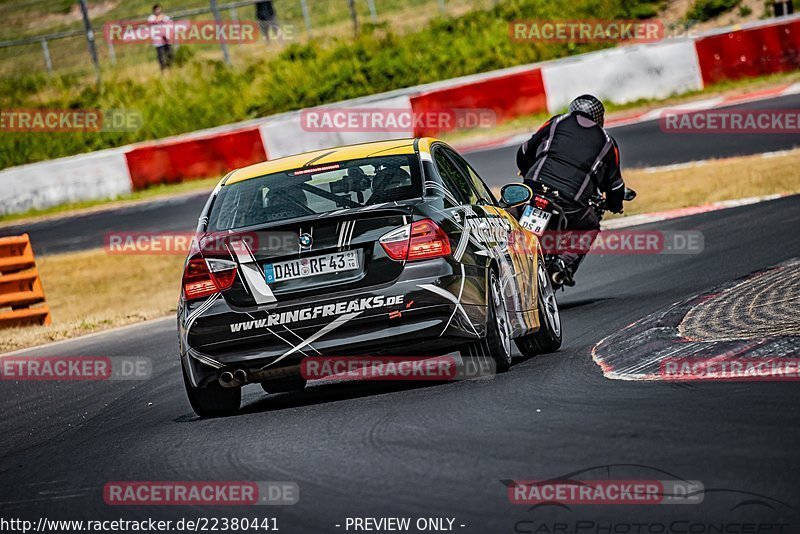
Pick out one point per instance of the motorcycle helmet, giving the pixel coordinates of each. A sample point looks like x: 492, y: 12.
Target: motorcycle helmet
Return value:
x: 589, y: 106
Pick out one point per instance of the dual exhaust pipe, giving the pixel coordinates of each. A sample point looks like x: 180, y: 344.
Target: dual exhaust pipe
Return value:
x: 232, y: 379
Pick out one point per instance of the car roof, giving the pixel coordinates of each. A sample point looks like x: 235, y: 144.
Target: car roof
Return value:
x: 329, y: 155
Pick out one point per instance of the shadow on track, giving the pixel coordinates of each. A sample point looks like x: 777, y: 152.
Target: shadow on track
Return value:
x: 322, y: 394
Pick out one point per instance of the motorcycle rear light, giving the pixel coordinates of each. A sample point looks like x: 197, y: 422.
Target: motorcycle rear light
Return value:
x: 540, y: 202
x: 205, y: 277
x: 421, y: 240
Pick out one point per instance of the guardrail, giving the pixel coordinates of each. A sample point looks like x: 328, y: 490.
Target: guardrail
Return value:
x: 20, y: 285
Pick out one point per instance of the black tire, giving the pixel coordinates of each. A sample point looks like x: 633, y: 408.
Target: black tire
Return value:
x: 498, y: 333
x: 548, y: 337
x: 213, y: 400
x: 283, y: 385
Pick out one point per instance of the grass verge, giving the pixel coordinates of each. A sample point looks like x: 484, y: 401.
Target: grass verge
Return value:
x: 91, y: 291
x: 712, y: 181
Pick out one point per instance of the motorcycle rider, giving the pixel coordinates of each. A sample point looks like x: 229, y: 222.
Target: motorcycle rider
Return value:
x: 575, y: 156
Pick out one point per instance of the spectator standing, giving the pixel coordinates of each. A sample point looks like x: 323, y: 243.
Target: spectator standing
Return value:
x: 160, y: 26
x: 266, y: 17
x: 783, y: 8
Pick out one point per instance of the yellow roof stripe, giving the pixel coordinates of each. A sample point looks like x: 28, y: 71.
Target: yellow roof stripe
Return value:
x: 329, y: 155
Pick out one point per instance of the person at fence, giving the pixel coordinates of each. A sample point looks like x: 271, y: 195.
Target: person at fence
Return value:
x: 575, y: 156
x: 266, y: 17
x: 783, y: 8
x: 160, y: 26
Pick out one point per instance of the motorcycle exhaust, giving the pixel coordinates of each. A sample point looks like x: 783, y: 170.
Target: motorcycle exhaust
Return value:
x: 558, y: 277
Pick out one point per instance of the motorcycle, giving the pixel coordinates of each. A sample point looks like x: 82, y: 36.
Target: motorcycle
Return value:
x: 543, y: 213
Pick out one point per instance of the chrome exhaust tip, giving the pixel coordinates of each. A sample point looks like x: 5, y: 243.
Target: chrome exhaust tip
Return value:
x: 226, y: 379
x: 240, y: 375
x: 558, y: 277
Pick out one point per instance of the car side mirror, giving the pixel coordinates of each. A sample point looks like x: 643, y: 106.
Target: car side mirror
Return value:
x: 512, y: 195
x: 629, y: 194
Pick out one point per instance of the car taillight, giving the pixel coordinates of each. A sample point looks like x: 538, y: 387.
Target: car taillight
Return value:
x: 540, y: 202
x: 421, y: 240
x: 205, y: 277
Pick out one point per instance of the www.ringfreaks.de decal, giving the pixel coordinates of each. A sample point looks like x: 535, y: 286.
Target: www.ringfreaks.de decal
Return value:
x: 315, y: 312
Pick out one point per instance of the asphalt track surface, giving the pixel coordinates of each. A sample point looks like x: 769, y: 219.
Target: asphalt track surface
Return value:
x: 642, y: 144
x: 441, y: 450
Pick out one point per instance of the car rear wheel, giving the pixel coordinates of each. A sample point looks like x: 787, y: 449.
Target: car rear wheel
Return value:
x: 548, y: 337
x: 213, y: 400
x: 498, y: 330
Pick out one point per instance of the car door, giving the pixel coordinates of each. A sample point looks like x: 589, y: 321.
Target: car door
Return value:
x: 495, y: 228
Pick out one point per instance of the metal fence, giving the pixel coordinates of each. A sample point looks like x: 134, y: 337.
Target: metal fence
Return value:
x: 72, y: 50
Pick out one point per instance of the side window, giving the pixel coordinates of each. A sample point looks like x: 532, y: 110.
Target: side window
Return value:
x: 477, y: 183
x: 454, y: 179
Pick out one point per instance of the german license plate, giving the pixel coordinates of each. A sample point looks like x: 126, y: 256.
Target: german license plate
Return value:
x: 535, y: 219
x: 316, y: 265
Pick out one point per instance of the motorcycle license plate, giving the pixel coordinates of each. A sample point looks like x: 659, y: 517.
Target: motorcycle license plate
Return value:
x: 535, y: 220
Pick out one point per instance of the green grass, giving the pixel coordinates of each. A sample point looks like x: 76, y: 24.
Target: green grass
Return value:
x: 704, y: 10
x: 206, y: 93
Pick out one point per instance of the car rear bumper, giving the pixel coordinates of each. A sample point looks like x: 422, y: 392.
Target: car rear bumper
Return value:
x: 433, y: 307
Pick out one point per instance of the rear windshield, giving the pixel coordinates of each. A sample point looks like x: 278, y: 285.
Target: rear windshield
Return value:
x: 316, y: 189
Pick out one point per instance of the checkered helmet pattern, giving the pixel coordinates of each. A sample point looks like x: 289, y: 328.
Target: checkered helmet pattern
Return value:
x: 589, y: 106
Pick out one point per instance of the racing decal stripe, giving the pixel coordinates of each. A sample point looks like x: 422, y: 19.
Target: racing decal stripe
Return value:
x: 253, y: 275
x: 350, y: 234
x: 300, y: 338
x: 190, y: 321
x: 460, y: 293
x: 449, y: 296
x: 346, y: 233
x: 340, y: 227
x: 271, y: 331
x: 438, y: 187
x: 339, y: 321
x: 342, y: 233
x: 372, y: 207
x: 203, y: 307
x: 202, y: 358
